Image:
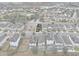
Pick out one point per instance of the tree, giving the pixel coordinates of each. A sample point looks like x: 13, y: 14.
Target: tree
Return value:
x: 39, y: 28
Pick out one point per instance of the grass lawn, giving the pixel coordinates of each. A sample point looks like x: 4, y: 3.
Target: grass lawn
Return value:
x: 76, y: 49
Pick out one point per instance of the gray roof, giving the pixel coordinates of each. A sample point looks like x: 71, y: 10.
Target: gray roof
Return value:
x: 70, y: 26
x: 8, y: 25
x: 61, y: 26
x: 3, y: 24
x: 66, y: 39
x: 2, y: 37
x: 77, y: 13
x: 75, y: 38
x: 58, y: 38
x: 14, y: 38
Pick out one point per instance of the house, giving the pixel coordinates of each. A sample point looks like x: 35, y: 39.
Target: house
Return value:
x: 67, y: 42
x: 15, y: 27
x: 11, y: 26
x: 3, y: 38
x: 50, y: 41
x: 3, y: 25
x: 14, y: 40
x: 59, y: 43
x: 75, y: 39
x: 41, y: 40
